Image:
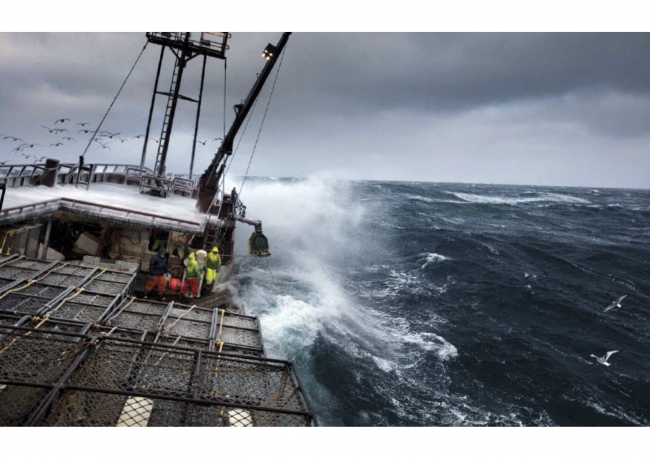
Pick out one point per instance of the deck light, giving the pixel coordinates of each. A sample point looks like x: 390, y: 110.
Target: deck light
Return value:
x: 268, y: 52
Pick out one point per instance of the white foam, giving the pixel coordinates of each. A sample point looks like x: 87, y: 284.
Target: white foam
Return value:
x: 383, y: 364
x: 415, y: 197
x: 432, y: 342
x: 433, y: 258
x: 512, y: 200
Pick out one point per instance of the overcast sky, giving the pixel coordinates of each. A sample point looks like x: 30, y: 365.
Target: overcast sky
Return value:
x: 529, y: 108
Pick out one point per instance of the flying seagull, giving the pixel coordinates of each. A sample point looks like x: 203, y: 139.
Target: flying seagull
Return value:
x: 35, y: 158
x: 615, y: 304
x: 86, y: 131
x: 138, y: 136
x: 155, y: 140
x: 217, y: 138
x: 62, y: 120
x: 82, y: 124
x: 69, y: 138
x: 13, y: 139
x: 104, y: 146
x: 30, y: 145
x: 204, y: 142
x: 58, y: 144
x: 604, y: 358
x: 56, y: 131
x: 122, y: 140
x: 108, y: 134
x: 51, y: 130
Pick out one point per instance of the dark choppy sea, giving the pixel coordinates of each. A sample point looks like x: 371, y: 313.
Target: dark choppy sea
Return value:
x: 422, y: 304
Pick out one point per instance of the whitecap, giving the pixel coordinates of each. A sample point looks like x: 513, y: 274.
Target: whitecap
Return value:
x: 511, y: 200
x: 416, y: 197
x: 383, y: 364
x: 441, y: 346
x: 432, y: 258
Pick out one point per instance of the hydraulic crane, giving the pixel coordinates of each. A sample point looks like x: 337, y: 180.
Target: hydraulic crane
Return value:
x: 211, y: 178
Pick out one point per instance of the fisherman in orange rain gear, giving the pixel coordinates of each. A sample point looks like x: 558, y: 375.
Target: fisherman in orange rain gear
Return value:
x: 157, y: 271
x: 192, y: 276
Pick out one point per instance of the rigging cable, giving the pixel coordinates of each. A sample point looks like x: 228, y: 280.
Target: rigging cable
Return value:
x: 229, y: 218
x: 263, y: 118
x: 225, y: 83
x: 253, y: 152
x: 232, y: 158
x: 116, y: 96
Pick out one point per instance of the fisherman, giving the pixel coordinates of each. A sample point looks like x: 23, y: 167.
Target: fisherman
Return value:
x: 157, y: 271
x: 212, y: 264
x: 192, y: 276
x: 200, y: 258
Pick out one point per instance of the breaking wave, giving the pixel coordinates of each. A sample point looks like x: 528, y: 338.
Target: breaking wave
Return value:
x: 550, y: 197
x: 391, y: 319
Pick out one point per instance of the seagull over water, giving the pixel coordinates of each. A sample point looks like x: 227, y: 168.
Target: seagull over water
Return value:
x: 615, y: 304
x: 604, y: 358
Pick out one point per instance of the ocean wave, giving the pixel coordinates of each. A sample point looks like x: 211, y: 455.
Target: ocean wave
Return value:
x: 432, y: 258
x: 416, y: 197
x: 513, y: 200
x: 432, y: 342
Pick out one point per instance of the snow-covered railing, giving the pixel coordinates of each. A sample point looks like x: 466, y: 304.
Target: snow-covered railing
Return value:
x: 102, y: 173
x: 14, y: 175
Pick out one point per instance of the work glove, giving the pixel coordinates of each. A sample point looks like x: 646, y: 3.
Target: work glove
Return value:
x: 153, y: 277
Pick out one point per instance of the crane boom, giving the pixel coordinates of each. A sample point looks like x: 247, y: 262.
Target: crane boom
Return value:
x: 209, y: 181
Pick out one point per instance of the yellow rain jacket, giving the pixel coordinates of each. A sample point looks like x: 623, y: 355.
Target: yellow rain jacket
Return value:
x: 212, y: 263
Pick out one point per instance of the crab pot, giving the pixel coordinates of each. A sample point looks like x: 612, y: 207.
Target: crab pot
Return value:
x: 31, y: 363
x: 173, y: 386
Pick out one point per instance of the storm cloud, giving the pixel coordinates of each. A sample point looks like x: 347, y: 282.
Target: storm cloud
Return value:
x: 527, y: 108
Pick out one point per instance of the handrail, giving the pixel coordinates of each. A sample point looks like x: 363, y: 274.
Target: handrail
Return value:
x: 28, y: 172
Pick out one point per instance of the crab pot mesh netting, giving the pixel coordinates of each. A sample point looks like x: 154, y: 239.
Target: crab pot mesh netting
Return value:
x: 22, y: 304
x: 76, y: 351
x: 31, y: 357
x: 124, y: 383
x: 22, y: 268
x: 138, y: 314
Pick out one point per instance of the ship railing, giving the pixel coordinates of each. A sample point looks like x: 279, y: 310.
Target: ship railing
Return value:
x: 16, y: 175
x: 101, y: 173
x: 132, y: 174
x: 149, y: 182
x: 213, y: 44
x: 183, y: 186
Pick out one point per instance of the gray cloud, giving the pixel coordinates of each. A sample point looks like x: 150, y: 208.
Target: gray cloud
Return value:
x: 509, y: 108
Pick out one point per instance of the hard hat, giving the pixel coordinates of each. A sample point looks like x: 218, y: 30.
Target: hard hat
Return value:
x: 215, y: 249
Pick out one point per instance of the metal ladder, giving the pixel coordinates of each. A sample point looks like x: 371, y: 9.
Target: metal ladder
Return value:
x: 163, y: 132
x: 211, y: 236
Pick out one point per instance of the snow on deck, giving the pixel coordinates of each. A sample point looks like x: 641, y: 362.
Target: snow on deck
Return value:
x: 109, y: 194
